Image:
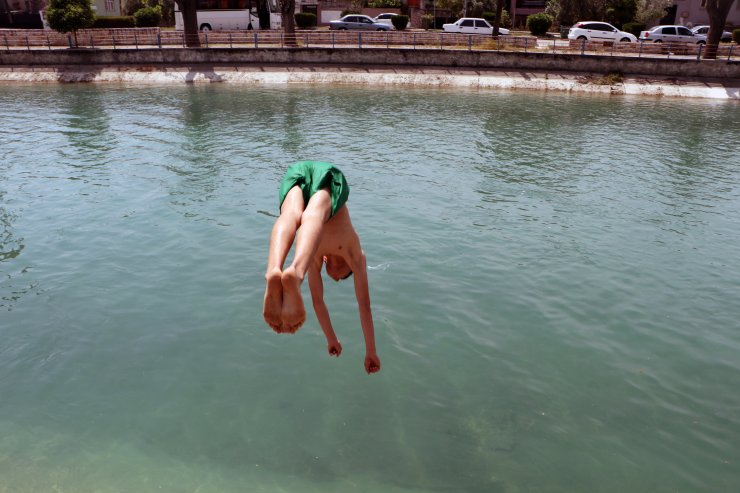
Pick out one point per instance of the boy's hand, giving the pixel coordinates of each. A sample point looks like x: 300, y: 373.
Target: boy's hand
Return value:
x: 372, y: 363
x: 335, y: 348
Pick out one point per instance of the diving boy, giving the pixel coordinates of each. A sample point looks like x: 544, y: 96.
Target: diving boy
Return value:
x: 312, y: 207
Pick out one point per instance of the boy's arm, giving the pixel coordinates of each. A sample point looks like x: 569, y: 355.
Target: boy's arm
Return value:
x: 316, y: 285
x: 362, y: 292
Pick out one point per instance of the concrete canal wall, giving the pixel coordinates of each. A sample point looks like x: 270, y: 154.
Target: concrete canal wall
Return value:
x: 377, y: 57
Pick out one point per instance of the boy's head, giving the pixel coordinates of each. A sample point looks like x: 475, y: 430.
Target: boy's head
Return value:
x: 336, y: 267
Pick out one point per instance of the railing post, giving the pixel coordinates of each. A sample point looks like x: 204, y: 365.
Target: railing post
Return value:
x: 114, y: 41
x: 308, y: 39
x: 413, y: 40
x: 729, y: 55
x: 698, y: 54
x: 256, y: 42
x: 159, y: 40
x: 613, y: 43
x: 498, y: 43
x: 332, y: 40
x: 281, y: 40
x: 553, y: 46
x: 92, y: 42
x: 359, y: 40
x: 440, y: 41
x: 48, y: 42
x: 583, y: 46
x: 206, y: 40
x: 69, y: 40
x: 639, y: 52
x: 7, y: 46
x: 28, y: 44
x: 387, y: 38
x: 470, y: 42
x: 136, y: 41
x: 526, y: 42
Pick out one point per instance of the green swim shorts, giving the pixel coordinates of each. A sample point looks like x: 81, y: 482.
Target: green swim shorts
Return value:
x: 312, y: 176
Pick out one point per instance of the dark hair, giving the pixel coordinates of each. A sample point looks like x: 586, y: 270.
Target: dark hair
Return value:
x: 347, y: 276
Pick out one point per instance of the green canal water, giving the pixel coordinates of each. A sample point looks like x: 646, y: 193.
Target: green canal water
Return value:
x: 555, y: 283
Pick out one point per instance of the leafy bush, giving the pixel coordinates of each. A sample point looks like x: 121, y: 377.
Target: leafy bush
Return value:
x: 427, y: 21
x: 70, y: 15
x: 538, y: 24
x: 400, y: 22
x: 384, y: 4
x: 736, y: 36
x: 148, y: 16
x: 305, y: 20
x: 634, y: 28
x: 114, y: 22
x: 491, y: 18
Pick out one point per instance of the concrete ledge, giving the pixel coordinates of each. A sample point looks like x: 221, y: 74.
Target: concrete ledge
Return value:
x: 428, y: 76
x: 685, y: 68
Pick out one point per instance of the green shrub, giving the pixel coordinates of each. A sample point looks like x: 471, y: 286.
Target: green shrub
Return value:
x: 148, y: 16
x: 70, y: 15
x: 114, y: 22
x: 400, y: 22
x: 384, y: 4
x: 538, y: 24
x: 634, y: 28
x: 427, y: 21
x: 736, y: 36
x: 304, y: 20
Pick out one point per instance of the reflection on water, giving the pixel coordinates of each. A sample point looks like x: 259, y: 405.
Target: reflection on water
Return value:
x: 553, y: 284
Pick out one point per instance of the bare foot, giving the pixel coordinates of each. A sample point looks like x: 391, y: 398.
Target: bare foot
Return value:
x: 273, y: 307
x: 294, y: 313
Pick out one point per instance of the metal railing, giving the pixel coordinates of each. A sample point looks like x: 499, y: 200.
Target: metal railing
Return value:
x: 417, y: 40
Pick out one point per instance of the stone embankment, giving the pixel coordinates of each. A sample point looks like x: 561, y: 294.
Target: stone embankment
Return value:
x: 683, y: 77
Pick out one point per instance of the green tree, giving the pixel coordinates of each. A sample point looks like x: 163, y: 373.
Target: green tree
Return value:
x: 68, y: 16
x: 568, y: 12
x: 619, y: 12
x: 717, y: 10
x: 649, y: 11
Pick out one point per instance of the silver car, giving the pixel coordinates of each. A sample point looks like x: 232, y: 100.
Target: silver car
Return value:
x: 672, y: 34
x: 357, y: 22
x: 704, y: 30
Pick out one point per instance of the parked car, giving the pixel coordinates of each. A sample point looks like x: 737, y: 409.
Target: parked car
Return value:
x: 672, y: 34
x: 356, y: 21
x: 704, y: 30
x: 472, y: 25
x: 599, y: 31
x: 386, y: 19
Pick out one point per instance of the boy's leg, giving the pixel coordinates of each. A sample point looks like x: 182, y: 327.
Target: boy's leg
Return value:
x: 312, y: 221
x: 281, y: 239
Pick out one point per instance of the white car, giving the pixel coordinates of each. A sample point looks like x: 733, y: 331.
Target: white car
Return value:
x: 704, y: 30
x: 385, y: 18
x: 472, y: 25
x: 672, y: 34
x: 599, y: 31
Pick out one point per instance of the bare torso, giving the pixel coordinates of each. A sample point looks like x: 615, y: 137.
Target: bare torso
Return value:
x: 340, y: 238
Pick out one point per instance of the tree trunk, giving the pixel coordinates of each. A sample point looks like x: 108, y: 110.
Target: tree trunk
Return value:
x: 287, y: 11
x: 190, y: 22
x: 499, y: 13
x: 717, y: 11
